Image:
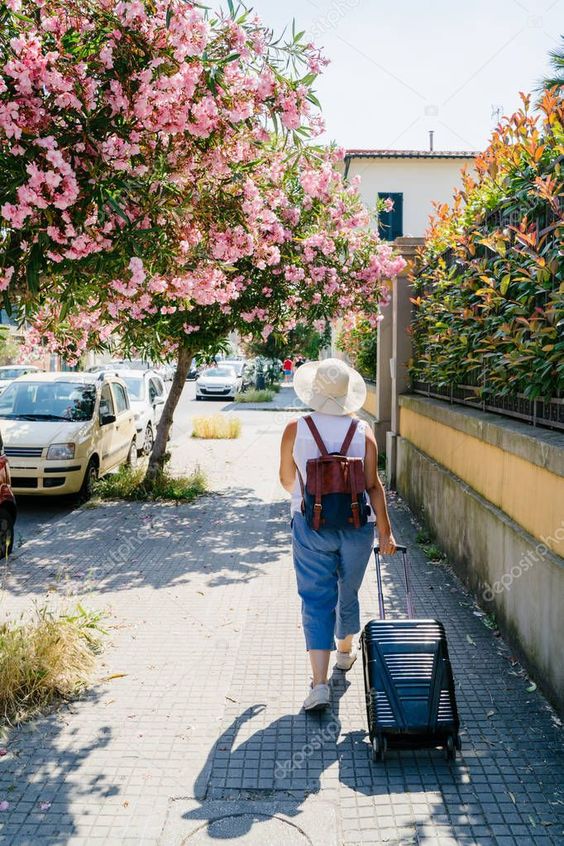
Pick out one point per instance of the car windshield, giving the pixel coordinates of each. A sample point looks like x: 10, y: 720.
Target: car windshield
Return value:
x: 71, y: 401
x: 11, y: 372
x: 226, y: 372
x: 135, y: 387
x: 237, y: 366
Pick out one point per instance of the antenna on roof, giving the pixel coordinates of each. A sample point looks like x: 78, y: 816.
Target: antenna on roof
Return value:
x: 496, y: 113
x: 431, y: 133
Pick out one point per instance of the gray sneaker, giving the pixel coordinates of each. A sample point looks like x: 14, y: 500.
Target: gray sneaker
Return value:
x: 318, y: 698
x: 345, y: 660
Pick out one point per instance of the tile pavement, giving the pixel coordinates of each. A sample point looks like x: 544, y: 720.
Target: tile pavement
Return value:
x: 205, y: 724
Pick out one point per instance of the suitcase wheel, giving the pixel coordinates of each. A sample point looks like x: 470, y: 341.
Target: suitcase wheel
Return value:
x: 379, y: 747
x: 451, y: 746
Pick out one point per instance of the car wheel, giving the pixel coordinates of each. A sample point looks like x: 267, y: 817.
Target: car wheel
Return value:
x: 90, y: 479
x: 148, y: 440
x: 132, y: 455
x: 6, y: 532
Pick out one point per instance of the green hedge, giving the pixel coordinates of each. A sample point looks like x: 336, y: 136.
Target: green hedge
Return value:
x: 489, y: 293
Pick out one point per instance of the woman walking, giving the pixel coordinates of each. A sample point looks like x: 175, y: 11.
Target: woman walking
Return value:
x: 330, y: 562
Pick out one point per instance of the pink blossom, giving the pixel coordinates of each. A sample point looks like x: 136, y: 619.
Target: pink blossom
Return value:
x: 5, y: 277
x: 107, y: 56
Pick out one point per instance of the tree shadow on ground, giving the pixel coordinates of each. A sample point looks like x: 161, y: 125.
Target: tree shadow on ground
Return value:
x: 37, y: 776
x: 117, y: 546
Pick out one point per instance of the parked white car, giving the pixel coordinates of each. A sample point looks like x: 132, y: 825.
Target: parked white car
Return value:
x: 221, y: 381
x: 63, y: 430
x: 241, y: 367
x: 10, y: 372
x: 147, y: 395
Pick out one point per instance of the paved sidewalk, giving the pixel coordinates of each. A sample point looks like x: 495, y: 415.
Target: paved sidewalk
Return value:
x: 203, y: 740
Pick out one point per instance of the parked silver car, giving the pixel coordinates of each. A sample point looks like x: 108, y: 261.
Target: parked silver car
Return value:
x: 242, y: 368
x: 10, y: 372
x: 221, y: 381
x: 147, y: 396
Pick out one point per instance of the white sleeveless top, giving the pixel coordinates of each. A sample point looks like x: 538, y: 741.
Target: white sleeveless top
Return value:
x: 332, y: 429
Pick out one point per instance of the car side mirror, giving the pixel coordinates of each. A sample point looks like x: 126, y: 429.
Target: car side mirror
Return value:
x: 106, y: 419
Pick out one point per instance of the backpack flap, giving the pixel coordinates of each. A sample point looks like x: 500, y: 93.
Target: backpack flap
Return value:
x: 334, y: 495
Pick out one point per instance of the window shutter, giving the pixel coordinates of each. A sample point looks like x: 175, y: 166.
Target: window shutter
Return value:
x: 390, y: 224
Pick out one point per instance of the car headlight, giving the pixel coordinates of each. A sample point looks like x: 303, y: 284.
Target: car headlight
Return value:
x: 61, y: 451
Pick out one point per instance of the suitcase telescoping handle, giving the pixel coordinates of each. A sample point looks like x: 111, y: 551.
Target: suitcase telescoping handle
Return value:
x: 409, y: 602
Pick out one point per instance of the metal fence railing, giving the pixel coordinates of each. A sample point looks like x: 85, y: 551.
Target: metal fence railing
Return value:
x: 548, y: 413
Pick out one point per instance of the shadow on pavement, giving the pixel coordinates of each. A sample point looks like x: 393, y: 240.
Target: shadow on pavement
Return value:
x: 116, y: 546
x: 37, y: 777
x: 290, y: 760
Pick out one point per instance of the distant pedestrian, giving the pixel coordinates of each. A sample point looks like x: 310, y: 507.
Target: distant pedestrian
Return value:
x: 332, y: 540
x: 288, y: 367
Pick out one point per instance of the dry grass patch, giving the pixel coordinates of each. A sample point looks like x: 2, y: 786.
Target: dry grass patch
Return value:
x: 216, y: 426
x: 47, y: 659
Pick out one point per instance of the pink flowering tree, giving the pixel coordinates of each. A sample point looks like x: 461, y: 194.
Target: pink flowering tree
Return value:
x: 157, y: 189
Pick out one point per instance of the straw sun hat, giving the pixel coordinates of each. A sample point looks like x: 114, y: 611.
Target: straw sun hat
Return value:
x: 330, y: 386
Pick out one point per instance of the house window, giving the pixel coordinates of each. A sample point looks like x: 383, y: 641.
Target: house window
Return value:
x: 390, y: 224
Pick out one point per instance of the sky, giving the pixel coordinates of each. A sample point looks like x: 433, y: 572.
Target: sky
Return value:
x: 403, y: 67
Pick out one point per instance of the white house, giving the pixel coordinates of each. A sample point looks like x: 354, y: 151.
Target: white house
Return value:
x: 412, y: 178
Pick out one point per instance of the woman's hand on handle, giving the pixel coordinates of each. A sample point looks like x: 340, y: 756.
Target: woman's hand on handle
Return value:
x: 387, y: 543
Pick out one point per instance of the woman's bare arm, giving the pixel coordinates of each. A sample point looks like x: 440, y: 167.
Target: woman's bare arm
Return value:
x: 288, y: 467
x: 377, y: 495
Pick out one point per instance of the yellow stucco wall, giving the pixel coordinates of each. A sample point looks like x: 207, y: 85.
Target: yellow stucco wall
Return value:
x: 529, y: 494
x: 370, y: 405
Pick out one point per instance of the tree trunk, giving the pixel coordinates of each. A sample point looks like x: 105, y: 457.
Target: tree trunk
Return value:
x: 158, y: 454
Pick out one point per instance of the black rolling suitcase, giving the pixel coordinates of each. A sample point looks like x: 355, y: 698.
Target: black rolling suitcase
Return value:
x: 410, y: 699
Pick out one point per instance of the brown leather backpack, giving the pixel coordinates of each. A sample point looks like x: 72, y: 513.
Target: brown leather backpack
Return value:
x: 334, y: 494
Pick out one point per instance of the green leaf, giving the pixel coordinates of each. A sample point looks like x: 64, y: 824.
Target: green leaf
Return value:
x: 230, y: 58
x: 32, y: 269
x: 504, y: 284
x: 117, y: 208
